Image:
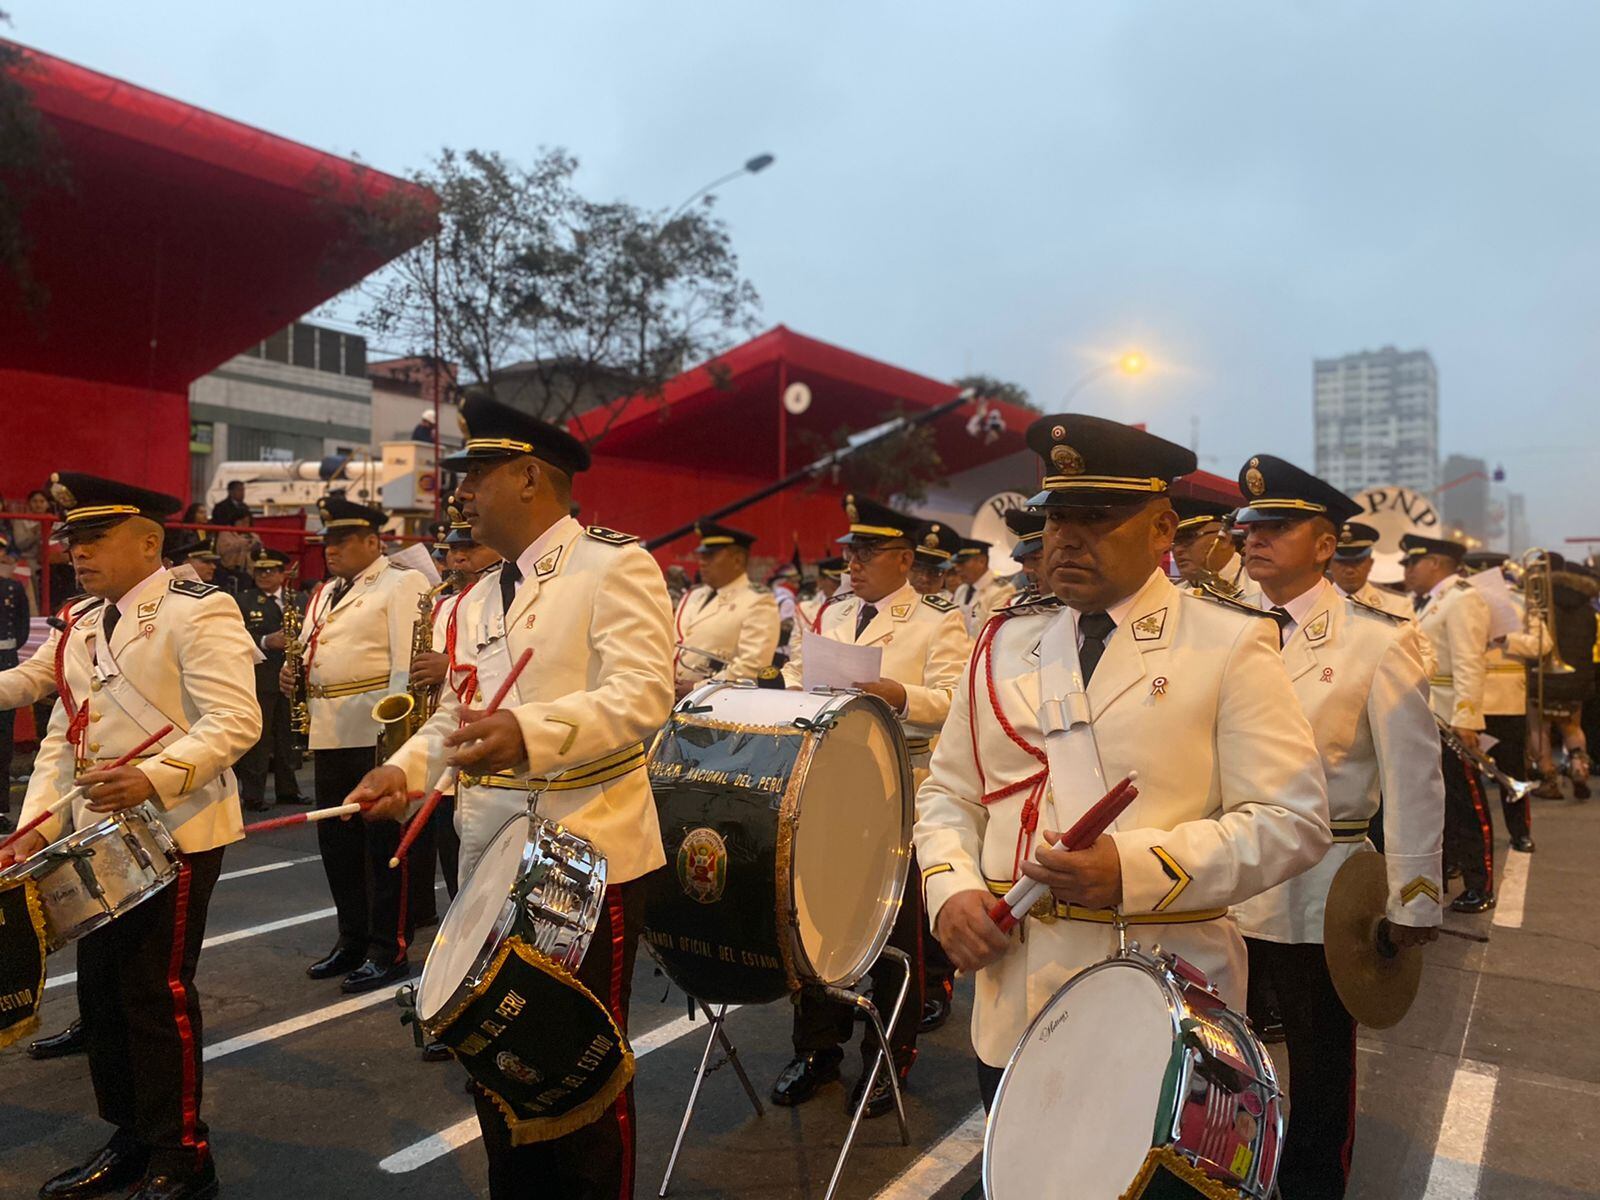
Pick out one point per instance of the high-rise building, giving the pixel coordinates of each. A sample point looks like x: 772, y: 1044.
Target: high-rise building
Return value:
x: 1464, y: 497
x: 1377, y: 419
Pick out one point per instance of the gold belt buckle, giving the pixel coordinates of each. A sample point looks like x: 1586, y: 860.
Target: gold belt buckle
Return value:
x: 1044, y: 909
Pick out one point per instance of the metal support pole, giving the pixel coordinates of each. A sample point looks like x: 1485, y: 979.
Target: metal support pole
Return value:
x: 717, y: 1034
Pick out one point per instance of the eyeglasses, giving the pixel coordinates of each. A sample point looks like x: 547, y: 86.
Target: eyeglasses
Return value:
x: 865, y: 554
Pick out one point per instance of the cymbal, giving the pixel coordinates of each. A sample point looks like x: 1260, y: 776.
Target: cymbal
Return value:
x: 1376, y: 980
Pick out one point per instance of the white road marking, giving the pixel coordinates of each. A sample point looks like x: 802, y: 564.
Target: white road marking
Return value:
x: 1458, y: 1154
x: 265, y: 867
x: 271, y: 1033
x: 946, y: 1159
x: 1513, y: 890
x: 222, y: 939
x: 420, y: 1154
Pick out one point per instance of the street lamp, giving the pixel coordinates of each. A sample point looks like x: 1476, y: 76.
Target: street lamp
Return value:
x: 752, y: 166
x: 1131, y: 363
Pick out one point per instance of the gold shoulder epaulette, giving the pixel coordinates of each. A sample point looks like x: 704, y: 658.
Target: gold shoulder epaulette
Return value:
x: 934, y: 600
x: 192, y: 587
x: 1216, y: 597
x: 1374, y: 610
x: 611, y: 537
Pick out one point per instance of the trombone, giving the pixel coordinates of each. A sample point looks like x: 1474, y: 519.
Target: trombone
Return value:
x: 1513, y: 789
x: 1537, y: 609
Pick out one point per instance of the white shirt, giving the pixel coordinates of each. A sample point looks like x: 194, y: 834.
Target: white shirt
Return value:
x: 1299, y: 608
x: 1118, y: 612
x: 537, y: 550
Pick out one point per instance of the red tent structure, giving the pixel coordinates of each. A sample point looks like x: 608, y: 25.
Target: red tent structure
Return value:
x: 180, y: 238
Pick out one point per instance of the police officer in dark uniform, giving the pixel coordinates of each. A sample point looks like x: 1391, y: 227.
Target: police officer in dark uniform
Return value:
x: 262, y: 604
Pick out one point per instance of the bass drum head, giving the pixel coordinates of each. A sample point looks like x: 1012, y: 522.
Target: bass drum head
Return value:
x: 851, y: 847
x: 467, y: 934
x: 1077, y: 1104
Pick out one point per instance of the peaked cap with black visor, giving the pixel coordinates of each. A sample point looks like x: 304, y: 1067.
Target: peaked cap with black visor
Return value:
x: 93, y: 504
x: 1356, y: 541
x: 1090, y: 462
x: 496, y: 432
x: 1277, y: 490
x: 714, y: 537
x: 935, y: 544
x: 1029, y: 530
x: 871, y: 522
x: 341, y: 517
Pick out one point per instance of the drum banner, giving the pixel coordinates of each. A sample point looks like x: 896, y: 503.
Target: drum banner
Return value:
x: 539, y: 1044
x: 22, y: 955
x: 1167, y: 1175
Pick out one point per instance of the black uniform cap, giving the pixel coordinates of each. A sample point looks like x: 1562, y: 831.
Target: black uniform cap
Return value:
x: 971, y: 548
x: 714, y: 537
x: 1276, y: 490
x: 1356, y: 541
x: 269, y: 560
x: 339, y: 515
x: 935, y: 543
x: 498, y: 431
x: 1029, y: 528
x: 91, y: 502
x: 871, y: 521
x: 1195, y: 513
x: 831, y: 568
x: 1483, y: 560
x: 1414, y: 546
x: 1090, y: 462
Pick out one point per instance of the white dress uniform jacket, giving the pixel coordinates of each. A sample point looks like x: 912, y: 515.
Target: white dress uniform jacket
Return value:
x: 1374, y: 596
x: 1505, y: 684
x: 1192, y: 694
x: 980, y: 601
x: 180, y: 655
x: 594, y: 611
x: 1455, y: 620
x: 736, y: 626
x: 359, y: 652
x: 925, y: 648
x: 1358, y: 676
x: 34, y: 678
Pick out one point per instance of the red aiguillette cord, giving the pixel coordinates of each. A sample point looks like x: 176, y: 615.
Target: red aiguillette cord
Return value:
x: 425, y: 813
x: 66, y: 799
x: 1010, y: 908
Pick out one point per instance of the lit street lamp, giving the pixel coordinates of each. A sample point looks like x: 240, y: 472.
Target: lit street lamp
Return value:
x: 1131, y: 363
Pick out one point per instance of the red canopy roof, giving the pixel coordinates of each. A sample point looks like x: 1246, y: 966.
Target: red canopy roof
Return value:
x: 183, y: 237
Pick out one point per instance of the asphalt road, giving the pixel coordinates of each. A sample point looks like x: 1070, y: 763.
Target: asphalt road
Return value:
x: 1487, y: 1089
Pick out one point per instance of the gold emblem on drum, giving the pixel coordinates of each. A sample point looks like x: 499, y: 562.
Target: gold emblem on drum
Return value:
x: 512, y: 1067
x: 703, y: 865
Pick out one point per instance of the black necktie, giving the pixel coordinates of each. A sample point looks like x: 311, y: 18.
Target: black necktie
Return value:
x: 1095, y: 627
x: 972, y: 590
x: 711, y: 594
x: 1282, y: 617
x: 509, y: 578
x: 864, y: 618
x: 1417, y: 603
x: 340, y: 591
x: 113, y: 615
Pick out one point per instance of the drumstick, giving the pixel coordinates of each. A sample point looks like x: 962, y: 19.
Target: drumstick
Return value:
x: 436, y: 793
x: 307, y: 818
x: 1025, y: 892
x: 72, y: 794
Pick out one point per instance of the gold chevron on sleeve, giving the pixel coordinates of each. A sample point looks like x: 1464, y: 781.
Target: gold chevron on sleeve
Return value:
x: 187, y: 768
x: 1181, y: 878
x: 1419, y: 887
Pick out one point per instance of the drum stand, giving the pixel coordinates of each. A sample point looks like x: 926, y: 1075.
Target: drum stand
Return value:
x: 875, y: 1023
x: 717, y: 1019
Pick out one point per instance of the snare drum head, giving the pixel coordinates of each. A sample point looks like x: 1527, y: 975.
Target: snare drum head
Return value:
x: 851, y: 848
x: 1078, y: 1101
x: 462, y: 942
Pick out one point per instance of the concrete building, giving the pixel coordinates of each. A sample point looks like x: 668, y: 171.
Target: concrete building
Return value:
x: 1464, y: 497
x: 1377, y: 419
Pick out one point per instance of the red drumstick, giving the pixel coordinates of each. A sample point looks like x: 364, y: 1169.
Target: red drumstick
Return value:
x: 307, y: 818
x: 1014, y: 905
x: 72, y: 794
x: 425, y: 813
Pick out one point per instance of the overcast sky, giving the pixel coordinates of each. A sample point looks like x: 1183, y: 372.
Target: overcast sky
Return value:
x: 1026, y: 190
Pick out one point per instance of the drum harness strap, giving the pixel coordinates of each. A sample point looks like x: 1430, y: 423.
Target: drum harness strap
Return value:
x: 79, y: 721
x: 1034, y: 784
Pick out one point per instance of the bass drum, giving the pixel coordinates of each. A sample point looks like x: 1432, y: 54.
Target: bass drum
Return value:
x: 786, y: 818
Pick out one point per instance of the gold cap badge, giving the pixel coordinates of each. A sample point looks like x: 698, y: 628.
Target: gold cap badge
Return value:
x: 850, y: 509
x: 1065, y: 459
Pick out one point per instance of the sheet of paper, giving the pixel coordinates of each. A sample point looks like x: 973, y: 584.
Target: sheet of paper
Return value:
x: 416, y: 557
x: 1503, y: 615
x: 827, y: 663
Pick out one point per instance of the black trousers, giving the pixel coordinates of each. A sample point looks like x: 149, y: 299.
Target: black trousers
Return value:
x: 1321, y: 1040
x: 825, y: 1025
x: 449, y: 843
x: 1468, y: 836
x: 1510, y: 754
x: 275, y: 748
x: 597, y: 1161
x: 141, y: 1017
x: 355, y: 856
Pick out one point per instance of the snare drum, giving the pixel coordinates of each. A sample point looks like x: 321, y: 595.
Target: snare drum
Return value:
x: 786, y: 819
x: 498, y: 987
x: 1135, y: 1078
x: 94, y: 875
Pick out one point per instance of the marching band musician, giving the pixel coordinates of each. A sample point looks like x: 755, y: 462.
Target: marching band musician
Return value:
x: 830, y: 573
x: 1028, y: 549
x: 1505, y: 698
x: 591, y: 605
x: 1203, y: 549
x: 726, y: 627
x: 1454, y: 617
x: 144, y: 651
x: 978, y: 592
x: 932, y: 559
x: 263, y: 605
x: 357, y: 635
x: 1189, y: 691
x: 925, y: 649
x: 1357, y: 673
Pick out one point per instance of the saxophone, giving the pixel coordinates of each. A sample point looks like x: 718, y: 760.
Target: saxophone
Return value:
x: 294, y: 655
x: 403, y: 713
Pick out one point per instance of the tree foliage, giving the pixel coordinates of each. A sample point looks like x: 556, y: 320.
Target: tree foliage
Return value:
x: 987, y: 387
x: 901, y: 465
x: 555, y: 301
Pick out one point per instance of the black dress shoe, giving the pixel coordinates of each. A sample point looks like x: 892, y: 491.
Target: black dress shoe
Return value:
x: 1271, y: 1031
x: 1472, y: 901
x: 257, y: 806
x: 436, y: 1052
x: 58, y: 1045
x: 936, y: 1009
x: 881, y: 1101
x: 1523, y: 843
x: 190, y: 1185
x: 340, y: 961
x: 112, y: 1170
x: 371, y: 975
x: 799, y: 1081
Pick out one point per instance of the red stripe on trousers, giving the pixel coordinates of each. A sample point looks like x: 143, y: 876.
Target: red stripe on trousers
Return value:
x: 180, y: 1012
x: 1347, y: 1151
x: 624, y: 1119
x: 1476, y: 792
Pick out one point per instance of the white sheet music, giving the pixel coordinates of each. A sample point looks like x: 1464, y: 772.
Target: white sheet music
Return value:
x: 1503, y: 615
x: 827, y: 663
